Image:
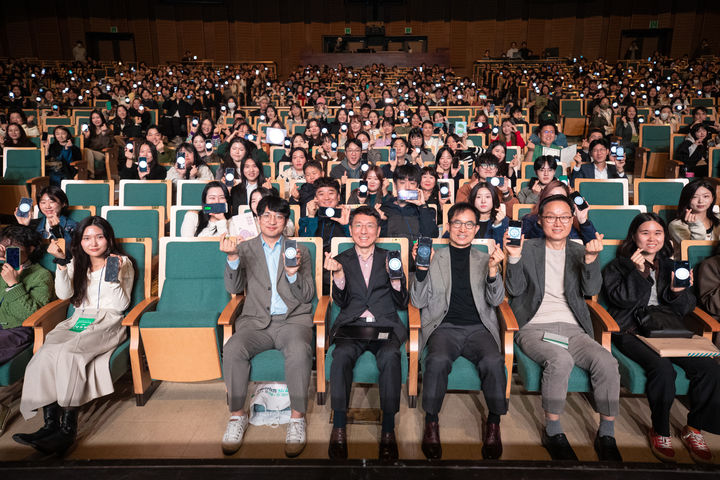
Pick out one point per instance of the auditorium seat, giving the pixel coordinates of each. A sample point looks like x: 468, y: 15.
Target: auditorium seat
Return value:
x: 365, y: 370
x: 189, y: 192
x: 22, y: 177
x: 140, y: 222
x: 97, y: 193
x: 613, y: 221
x: 653, y: 152
x: 146, y: 193
x: 662, y: 191
x: 612, y: 191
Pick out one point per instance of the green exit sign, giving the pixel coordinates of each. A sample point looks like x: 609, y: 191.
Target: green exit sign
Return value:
x: 113, y: 29
x: 408, y: 29
x: 653, y: 24
x: 347, y: 31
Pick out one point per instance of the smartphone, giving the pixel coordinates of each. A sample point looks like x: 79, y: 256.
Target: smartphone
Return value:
x: 514, y: 233
x: 129, y: 146
x: 393, y: 155
x: 12, y: 256
x: 424, y: 250
x: 613, y: 147
x: 290, y: 253
x: 229, y: 177
x: 620, y: 152
x: 214, y: 207
x: 578, y: 200
x: 444, y: 190
x: 330, y: 212
x: 682, y: 274
x: 195, y: 122
x: 25, y: 207
x: 112, y: 269
x: 180, y: 161
x: 363, y: 188
x: 496, y: 181
x: 395, y: 270
x: 406, y: 195
x: 84, y: 127
x: 142, y: 164
x: 44, y: 136
x: 208, y: 146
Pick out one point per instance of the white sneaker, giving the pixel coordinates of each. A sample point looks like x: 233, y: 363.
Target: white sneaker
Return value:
x: 234, y: 434
x: 295, y: 439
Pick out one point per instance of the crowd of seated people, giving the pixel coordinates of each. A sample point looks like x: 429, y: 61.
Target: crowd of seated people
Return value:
x: 388, y: 152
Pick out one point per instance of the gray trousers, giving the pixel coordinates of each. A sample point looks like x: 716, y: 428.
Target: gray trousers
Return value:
x: 558, y: 362
x: 294, y: 341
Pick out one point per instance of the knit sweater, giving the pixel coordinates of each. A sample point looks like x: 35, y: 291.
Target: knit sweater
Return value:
x: 35, y: 289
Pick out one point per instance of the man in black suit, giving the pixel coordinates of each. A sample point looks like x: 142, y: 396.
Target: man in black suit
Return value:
x: 368, y: 321
x: 598, y: 168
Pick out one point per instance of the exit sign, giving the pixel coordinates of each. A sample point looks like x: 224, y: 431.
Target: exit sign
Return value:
x: 113, y: 29
x: 347, y: 30
x: 408, y: 29
x: 653, y: 24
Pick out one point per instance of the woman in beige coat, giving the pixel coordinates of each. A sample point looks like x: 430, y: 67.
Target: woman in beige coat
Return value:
x: 73, y: 366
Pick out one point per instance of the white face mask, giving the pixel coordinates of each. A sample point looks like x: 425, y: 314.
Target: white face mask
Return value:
x: 231, y: 104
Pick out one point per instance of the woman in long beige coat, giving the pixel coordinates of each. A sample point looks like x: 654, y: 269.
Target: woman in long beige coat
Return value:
x: 73, y: 365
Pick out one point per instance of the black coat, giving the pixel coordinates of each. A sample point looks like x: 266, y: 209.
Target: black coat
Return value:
x: 627, y: 290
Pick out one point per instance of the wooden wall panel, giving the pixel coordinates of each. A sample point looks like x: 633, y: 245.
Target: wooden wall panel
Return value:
x: 283, y: 31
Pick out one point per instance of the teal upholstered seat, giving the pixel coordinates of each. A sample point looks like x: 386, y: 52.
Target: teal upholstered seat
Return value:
x: 14, y: 369
x: 632, y: 375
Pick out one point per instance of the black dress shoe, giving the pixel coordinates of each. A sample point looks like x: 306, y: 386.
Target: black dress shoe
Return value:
x: 431, y: 446
x: 606, y: 449
x: 388, y: 447
x: 337, y: 450
x: 492, y: 443
x: 558, y: 446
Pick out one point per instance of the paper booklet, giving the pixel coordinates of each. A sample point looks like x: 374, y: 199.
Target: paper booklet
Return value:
x: 566, y: 154
x: 696, y: 346
x: 245, y: 225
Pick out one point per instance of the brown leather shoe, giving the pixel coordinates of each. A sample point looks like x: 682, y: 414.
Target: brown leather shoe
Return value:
x: 431, y: 446
x: 388, y: 447
x: 492, y: 444
x: 337, y: 450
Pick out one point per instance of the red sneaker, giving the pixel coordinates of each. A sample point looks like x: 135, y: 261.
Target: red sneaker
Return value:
x: 661, y: 446
x: 695, y: 443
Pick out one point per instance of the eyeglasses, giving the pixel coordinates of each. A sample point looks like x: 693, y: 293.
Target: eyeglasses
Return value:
x: 267, y: 216
x: 352, y: 150
x: 458, y: 224
x: 366, y: 226
x: 552, y: 219
x: 545, y: 132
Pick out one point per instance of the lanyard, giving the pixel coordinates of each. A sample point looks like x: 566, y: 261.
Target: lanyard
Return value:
x: 99, y: 285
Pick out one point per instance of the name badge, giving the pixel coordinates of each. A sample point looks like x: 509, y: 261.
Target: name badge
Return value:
x: 369, y: 319
x: 82, y: 324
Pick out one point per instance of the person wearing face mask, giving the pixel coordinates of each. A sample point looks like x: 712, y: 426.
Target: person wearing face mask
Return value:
x: 599, y: 168
x: 666, y: 117
x: 694, y: 152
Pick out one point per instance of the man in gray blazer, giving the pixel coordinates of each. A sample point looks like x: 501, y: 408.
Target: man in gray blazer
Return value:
x: 457, y: 296
x: 277, y: 314
x: 547, y: 280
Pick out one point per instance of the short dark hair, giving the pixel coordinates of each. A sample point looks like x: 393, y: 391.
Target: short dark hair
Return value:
x: 543, y: 159
x: 555, y: 198
x: 354, y: 141
x: 56, y: 194
x: 628, y: 246
x: 313, y: 163
x: 365, y: 210
x: 326, y: 182
x: 463, y: 207
x: 699, y: 108
x: 599, y: 141
x: 406, y: 172
x: 547, y: 124
x: 274, y: 204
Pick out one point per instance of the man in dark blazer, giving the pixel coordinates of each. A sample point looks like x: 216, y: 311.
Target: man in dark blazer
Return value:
x: 368, y: 321
x: 547, y: 280
x: 457, y: 296
x: 599, y: 168
x: 277, y: 314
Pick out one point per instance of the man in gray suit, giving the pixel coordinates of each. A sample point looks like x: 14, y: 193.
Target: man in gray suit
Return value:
x: 277, y: 314
x: 547, y: 280
x: 457, y: 296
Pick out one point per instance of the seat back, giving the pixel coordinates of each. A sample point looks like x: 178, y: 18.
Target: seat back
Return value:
x: 146, y: 193
x: 189, y: 192
x: 695, y: 251
x: 603, y: 192
x: 98, y: 193
x: 714, y: 165
x: 651, y: 192
x: 521, y: 209
x: 177, y: 216
x: 80, y: 213
x: 140, y: 249
x: 572, y: 108
x: 21, y: 164
x: 614, y: 221
x: 655, y: 138
x: 137, y: 222
x: 667, y: 212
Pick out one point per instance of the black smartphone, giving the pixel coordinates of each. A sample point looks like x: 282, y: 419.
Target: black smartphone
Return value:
x: 424, y: 250
x: 12, y: 256
x: 496, y: 181
x: 290, y: 253
x: 405, y: 195
x: 195, y: 121
x: 363, y: 188
x: 214, y: 208
x: 25, y: 207
x: 3, y: 119
x: 393, y: 155
x: 578, y: 200
x: 682, y: 274
x: 395, y: 269
x: 330, y: 212
x: 444, y: 190
x: 180, y: 161
x: 229, y: 177
x: 514, y: 233
x: 208, y: 146
x: 44, y: 136
x: 142, y: 164
x: 112, y: 269
x: 613, y: 147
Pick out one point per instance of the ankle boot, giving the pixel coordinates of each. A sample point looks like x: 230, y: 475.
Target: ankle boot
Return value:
x: 63, y: 438
x: 51, y: 414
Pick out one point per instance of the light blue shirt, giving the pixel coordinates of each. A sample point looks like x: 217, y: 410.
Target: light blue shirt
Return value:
x: 272, y: 259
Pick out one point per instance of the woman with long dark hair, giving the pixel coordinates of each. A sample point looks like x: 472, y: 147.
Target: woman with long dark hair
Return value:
x: 206, y: 224
x: 193, y: 166
x: 695, y: 217
x: 60, y: 155
x: 98, y: 136
x: 640, y: 283
x: 72, y: 366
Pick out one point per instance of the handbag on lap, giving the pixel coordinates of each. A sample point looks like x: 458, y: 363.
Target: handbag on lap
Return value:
x: 658, y: 321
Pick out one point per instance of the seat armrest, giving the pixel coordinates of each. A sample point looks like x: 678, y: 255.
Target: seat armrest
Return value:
x: 704, y: 324
x: 45, y: 319
x: 229, y: 315
x: 132, y: 319
x: 321, y: 310
x: 603, y: 324
x: 507, y: 320
x: 319, y: 318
